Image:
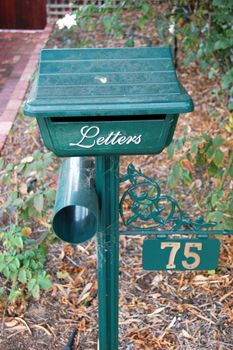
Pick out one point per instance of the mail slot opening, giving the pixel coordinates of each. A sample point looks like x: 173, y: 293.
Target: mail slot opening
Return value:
x: 107, y: 119
x: 123, y: 134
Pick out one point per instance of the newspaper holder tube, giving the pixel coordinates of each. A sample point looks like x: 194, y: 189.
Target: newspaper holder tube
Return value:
x: 76, y: 207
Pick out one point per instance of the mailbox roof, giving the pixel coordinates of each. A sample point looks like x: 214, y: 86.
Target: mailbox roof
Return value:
x: 97, y: 82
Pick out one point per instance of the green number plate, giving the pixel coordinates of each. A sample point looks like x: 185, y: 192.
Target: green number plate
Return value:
x: 180, y: 254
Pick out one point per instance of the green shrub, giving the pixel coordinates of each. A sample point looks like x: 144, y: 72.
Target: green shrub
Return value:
x: 21, y: 266
x: 27, y: 200
x: 206, y: 168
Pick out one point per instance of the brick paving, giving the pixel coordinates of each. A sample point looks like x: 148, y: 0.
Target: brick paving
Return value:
x: 19, y: 55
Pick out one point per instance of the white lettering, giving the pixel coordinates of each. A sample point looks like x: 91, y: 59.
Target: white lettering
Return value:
x: 108, y: 138
x: 129, y: 140
x: 100, y: 141
x: 89, y: 138
x: 114, y: 139
x: 85, y: 132
x: 121, y: 140
x: 138, y: 139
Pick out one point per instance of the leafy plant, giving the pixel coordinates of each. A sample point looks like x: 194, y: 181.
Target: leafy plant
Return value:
x: 204, y: 32
x: 30, y: 185
x: 207, y: 169
x: 21, y: 265
x: 27, y: 199
x: 110, y: 18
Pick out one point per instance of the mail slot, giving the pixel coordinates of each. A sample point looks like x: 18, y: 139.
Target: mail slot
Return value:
x: 71, y: 136
x: 107, y: 101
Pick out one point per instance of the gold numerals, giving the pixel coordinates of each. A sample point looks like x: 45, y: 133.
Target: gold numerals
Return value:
x: 188, y: 253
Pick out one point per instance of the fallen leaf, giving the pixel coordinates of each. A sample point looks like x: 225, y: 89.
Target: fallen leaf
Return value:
x: 11, y: 323
x: 85, y: 293
x: 157, y: 311
x: 186, y: 334
x: 23, y: 189
x: 41, y: 328
x: 26, y: 231
x: 197, y: 183
x: 156, y: 280
x: 200, y: 279
x: 28, y: 159
x: 62, y: 274
x: 185, y: 163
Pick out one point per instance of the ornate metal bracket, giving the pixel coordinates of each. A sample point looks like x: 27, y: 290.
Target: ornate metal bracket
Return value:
x: 148, y: 209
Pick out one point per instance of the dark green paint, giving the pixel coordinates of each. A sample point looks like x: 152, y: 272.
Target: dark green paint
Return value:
x: 132, y: 93
x: 76, y: 207
x: 166, y: 233
x: 107, y: 181
x: 121, y: 136
x: 155, y: 258
x: 152, y: 209
x: 94, y: 82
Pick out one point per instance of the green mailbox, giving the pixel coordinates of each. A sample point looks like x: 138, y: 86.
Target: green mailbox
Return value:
x: 107, y: 101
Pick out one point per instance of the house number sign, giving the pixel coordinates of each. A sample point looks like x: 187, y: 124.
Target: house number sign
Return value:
x: 181, y: 254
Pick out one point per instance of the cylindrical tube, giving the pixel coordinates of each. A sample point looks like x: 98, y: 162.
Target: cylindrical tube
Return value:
x: 76, y: 208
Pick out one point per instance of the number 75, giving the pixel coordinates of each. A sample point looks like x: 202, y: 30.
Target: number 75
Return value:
x: 175, y: 246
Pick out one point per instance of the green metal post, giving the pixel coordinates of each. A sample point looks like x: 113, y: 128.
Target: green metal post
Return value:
x: 107, y: 182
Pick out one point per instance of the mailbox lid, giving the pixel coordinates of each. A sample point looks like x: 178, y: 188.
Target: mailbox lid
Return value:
x: 97, y: 82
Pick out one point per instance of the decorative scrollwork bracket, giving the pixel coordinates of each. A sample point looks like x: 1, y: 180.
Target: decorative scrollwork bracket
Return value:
x: 144, y: 209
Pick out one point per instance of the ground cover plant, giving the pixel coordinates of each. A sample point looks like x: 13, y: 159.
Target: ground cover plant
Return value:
x: 27, y: 197
x: 157, y: 310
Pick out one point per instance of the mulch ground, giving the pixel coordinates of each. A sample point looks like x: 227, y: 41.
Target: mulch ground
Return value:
x: 157, y: 310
